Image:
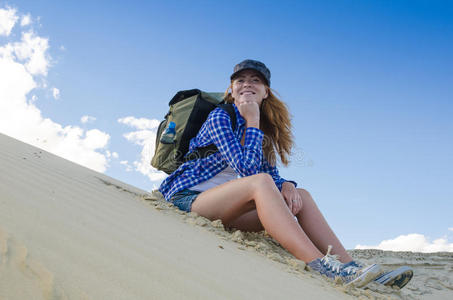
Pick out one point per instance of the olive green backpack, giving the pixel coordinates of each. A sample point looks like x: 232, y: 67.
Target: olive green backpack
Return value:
x: 189, y: 109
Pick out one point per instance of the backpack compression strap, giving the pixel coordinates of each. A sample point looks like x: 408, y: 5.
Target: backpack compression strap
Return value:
x: 211, y: 149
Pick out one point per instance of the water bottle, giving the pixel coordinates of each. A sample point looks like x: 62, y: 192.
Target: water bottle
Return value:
x: 168, y: 137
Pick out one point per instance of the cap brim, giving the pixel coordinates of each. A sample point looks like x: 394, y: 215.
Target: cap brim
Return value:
x: 261, y: 74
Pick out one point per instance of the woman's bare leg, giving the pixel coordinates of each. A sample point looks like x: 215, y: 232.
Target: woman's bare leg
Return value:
x: 248, y: 222
x: 317, y: 229
x: 312, y: 222
x: 230, y: 200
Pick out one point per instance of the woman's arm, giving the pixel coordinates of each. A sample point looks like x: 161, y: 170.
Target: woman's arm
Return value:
x: 245, y: 160
x: 286, y: 187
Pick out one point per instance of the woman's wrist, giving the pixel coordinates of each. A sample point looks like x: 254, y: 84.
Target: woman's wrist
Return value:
x: 293, y: 183
x: 255, y: 124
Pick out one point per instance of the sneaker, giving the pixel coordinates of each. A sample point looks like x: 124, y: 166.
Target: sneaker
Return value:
x: 396, y: 278
x: 352, y: 267
x: 331, y: 267
x: 359, y: 277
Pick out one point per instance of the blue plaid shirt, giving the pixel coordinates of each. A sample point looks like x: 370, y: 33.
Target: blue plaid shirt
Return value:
x: 245, y: 160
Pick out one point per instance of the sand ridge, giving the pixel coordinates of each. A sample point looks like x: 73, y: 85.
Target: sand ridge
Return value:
x: 67, y: 232
x: 83, y: 235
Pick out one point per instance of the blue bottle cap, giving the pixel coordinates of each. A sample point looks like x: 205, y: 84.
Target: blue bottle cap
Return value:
x: 171, y: 125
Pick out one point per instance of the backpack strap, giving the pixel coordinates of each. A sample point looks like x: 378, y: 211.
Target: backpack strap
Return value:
x: 230, y: 110
x: 211, y: 149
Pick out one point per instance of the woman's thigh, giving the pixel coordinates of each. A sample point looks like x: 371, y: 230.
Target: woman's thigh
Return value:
x: 232, y: 199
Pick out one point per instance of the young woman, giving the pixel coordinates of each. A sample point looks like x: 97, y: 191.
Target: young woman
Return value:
x: 240, y: 183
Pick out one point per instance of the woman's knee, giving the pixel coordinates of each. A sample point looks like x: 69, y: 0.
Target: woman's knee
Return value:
x: 260, y: 183
x: 305, y: 195
x: 262, y: 180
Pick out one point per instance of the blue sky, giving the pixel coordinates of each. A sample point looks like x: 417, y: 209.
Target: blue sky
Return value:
x: 369, y: 85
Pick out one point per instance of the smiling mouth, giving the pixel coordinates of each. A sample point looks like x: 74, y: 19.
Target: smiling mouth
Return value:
x: 247, y: 93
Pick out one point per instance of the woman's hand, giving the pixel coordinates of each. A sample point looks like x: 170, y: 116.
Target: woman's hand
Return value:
x: 250, y: 111
x: 292, y: 197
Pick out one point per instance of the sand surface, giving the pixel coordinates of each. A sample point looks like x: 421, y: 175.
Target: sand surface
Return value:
x: 67, y: 232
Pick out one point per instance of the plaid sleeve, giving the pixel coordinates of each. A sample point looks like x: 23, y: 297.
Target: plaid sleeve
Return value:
x: 273, y: 171
x: 245, y: 160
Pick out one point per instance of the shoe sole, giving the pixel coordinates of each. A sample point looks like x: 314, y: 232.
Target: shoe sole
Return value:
x: 368, y: 274
x: 396, y: 278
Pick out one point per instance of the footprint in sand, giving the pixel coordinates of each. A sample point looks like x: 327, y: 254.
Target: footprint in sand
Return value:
x: 23, y: 277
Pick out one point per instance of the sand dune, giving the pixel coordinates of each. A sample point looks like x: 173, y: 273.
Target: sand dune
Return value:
x: 67, y: 232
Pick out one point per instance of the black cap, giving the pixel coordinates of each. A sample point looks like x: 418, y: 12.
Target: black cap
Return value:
x: 253, y: 65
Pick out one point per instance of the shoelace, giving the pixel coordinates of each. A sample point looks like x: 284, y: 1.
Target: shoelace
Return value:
x: 352, y: 268
x: 331, y: 261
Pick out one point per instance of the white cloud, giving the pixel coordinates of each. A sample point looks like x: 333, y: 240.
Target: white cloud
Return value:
x: 451, y: 228
x: 126, y: 164
x: 140, y: 123
x: 26, y: 20
x: 56, y: 93
x: 32, y: 50
x: 144, y: 137
x: 412, y: 242
x: 8, y: 19
x: 96, y: 139
x: 87, y: 119
x: 111, y: 154
x: 22, y: 65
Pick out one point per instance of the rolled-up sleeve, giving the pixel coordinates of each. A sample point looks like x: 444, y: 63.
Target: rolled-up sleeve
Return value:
x: 273, y: 171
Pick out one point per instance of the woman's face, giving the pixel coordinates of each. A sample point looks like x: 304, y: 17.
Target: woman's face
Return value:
x: 248, y: 86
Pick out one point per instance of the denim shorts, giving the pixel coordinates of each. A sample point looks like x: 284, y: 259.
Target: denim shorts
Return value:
x: 184, y: 199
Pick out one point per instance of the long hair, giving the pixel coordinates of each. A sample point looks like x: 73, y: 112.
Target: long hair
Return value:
x: 275, y: 122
